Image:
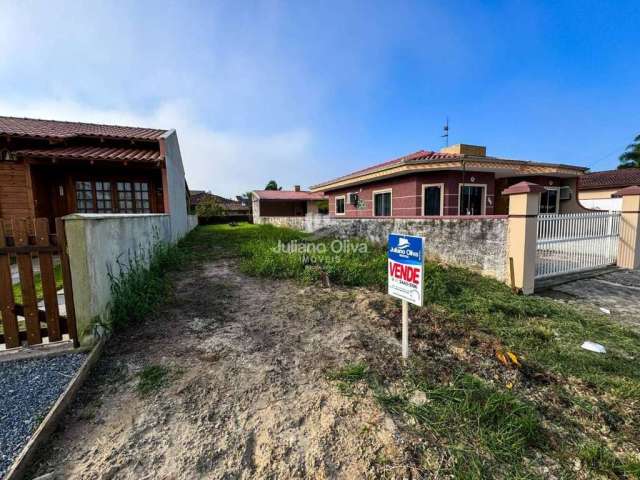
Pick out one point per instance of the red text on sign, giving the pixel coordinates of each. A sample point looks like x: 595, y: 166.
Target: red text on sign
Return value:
x: 404, y: 272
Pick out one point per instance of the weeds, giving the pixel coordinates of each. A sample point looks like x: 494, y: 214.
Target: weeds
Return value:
x: 140, y: 283
x: 152, y: 378
x: 483, y: 429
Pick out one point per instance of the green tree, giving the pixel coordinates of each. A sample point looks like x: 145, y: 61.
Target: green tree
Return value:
x: 631, y: 157
x: 272, y: 185
x: 209, y: 207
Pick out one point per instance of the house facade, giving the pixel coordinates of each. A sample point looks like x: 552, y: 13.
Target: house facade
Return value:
x: 457, y: 181
x: 285, y: 203
x: 596, y: 190
x: 51, y: 168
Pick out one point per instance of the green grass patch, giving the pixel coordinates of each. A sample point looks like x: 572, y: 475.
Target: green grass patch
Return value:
x: 37, y: 278
x: 152, y: 378
x: 598, y: 458
x: 482, y: 429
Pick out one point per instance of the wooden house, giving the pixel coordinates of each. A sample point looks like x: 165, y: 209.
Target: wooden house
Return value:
x: 52, y: 168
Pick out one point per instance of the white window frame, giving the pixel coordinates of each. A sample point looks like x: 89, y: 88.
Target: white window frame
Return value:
x: 484, y: 197
x: 557, y: 198
x: 335, y: 204
x: 424, y: 198
x: 373, y: 202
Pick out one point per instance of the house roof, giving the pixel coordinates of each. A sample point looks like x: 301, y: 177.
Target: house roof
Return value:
x: 55, y: 129
x: 287, y: 195
x: 228, y: 204
x: 93, y: 153
x: 427, y: 157
x: 623, y: 177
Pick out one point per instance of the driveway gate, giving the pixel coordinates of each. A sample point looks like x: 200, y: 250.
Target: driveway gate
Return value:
x: 576, y: 242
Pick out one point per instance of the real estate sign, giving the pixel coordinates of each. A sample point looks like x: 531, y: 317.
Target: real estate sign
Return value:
x: 405, y: 267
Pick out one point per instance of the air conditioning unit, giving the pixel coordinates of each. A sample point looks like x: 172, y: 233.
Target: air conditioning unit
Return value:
x: 352, y: 198
x: 565, y: 193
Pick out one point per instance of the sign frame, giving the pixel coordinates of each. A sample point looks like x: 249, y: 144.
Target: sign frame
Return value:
x: 405, y: 261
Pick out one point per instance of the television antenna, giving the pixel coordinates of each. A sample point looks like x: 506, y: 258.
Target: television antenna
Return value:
x: 446, y: 132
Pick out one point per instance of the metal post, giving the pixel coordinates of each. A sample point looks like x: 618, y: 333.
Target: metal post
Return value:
x: 405, y: 329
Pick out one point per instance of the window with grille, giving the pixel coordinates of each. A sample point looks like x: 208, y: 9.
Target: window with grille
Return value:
x: 104, y: 202
x: 84, y: 197
x: 125, y: 197
x: 141, y: 191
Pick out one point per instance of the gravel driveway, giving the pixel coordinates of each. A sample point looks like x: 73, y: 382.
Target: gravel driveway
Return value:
x: 616, y: 291
x: 28, y: 390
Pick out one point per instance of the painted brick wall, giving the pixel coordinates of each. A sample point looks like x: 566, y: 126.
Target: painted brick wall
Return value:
x: 476, y: 243
x: 407, y: 193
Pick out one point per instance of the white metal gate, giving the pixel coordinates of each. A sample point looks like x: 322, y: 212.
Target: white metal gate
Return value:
x: 576, y: 242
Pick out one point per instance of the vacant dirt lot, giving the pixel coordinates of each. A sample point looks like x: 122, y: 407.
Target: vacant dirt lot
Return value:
x: 246, y: 394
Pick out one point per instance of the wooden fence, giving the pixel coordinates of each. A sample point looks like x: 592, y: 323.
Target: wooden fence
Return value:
x: 37, y: 316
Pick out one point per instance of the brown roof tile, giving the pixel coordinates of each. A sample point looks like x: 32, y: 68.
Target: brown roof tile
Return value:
x: 623, y: 177
x: 93, y: 153
x: 36, y: 128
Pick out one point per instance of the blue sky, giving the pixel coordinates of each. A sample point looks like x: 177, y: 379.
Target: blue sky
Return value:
x: 305, y: 91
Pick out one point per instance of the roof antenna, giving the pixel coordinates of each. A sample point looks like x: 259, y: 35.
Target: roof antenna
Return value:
x: 446, y: 131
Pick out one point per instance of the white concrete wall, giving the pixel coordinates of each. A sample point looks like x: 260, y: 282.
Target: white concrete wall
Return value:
x: 176, y: 185
x: 192, y: 221
x: 103, y: 243
x: 611, y: 204
x: 255, y: 208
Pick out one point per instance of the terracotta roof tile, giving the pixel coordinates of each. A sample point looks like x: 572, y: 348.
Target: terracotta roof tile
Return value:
x: 426, y: 156
x: 288, y: 195
x: 36, y: 128
x: 623, y: 177
x: 94, y: 153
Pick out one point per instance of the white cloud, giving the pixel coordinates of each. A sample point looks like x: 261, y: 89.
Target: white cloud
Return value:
x: 225, y: 162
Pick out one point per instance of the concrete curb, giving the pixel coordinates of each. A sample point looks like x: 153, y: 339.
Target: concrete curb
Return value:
x: 48, y: 425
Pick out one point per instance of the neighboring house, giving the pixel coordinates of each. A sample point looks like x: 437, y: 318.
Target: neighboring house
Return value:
x: 229, y: 206
x: 285, y: 203
x: 52, y: 168
x: 595, y: 190
x: 458, y: 180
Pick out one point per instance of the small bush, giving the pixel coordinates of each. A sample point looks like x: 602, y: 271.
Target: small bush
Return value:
x: 152, y: 378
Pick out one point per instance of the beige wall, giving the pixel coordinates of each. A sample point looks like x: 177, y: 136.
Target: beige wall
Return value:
x: 595, y: 194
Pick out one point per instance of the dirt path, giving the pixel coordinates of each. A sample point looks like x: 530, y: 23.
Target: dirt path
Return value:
x: 247, y: 395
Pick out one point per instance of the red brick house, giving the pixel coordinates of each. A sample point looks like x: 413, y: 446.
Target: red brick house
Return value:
x: 52, y: 168
x: 458, y: 180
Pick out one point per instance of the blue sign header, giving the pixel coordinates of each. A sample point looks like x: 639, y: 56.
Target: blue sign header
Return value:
x: 406, y: 249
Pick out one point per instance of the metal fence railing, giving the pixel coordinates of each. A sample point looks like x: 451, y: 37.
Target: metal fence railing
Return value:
x: 575, y: 242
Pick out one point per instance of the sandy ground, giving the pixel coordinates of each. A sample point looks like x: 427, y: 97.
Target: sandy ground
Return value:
x: 248, y: 395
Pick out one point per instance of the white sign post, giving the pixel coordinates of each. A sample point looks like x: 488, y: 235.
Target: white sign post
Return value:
x: 405, y: 255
